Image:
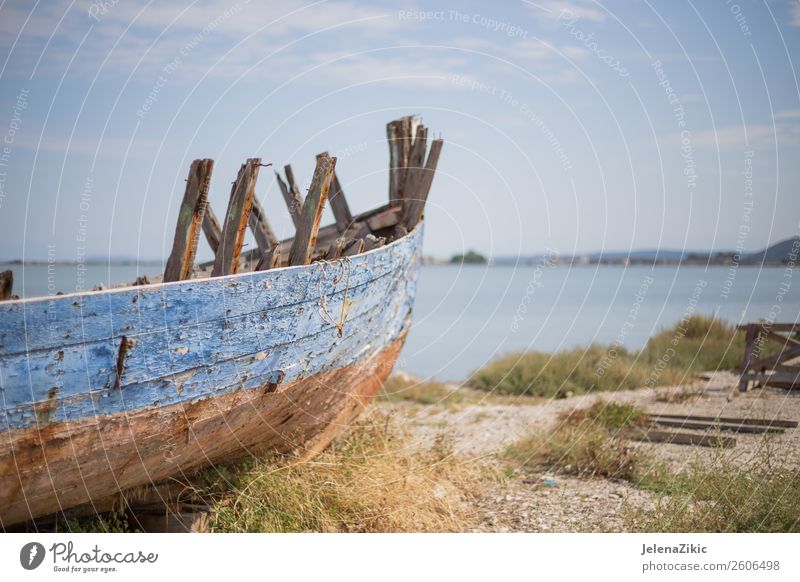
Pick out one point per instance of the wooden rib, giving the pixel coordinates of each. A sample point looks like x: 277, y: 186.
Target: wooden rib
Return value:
x: 399, y: 134
x: 190, y: 219
x: 294, y: 202
x: 415, y: 205
x: 265, y: 237
x: 6, y: 285
x: 305, y: 238
x: 212, y: 229
x: 226, y: 261
x: 270, y: 258
x: 338, y: 203
x: 416, y: 165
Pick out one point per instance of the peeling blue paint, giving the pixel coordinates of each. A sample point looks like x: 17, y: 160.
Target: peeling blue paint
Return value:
x: 200, y: 338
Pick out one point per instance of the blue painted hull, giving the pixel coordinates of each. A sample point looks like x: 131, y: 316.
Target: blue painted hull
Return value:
x: 107, y: 390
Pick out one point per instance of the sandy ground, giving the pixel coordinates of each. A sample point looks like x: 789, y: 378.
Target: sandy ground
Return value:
x: 562, y: 503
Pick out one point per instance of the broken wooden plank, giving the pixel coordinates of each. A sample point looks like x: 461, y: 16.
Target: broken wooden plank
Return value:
x: 706, y: 425
x: 373, y: 242
x: 305, y: 238
x: 384, y: 219
x: 680, y: 438
x: 338, y: 203
x: 180, y: 263
x: 270, y: 258
x: 294, y: 202
x: 731, y: 420
x: 414, y: 205
x: 212, y: 229
x: 262, y: 232
x: 399, y: 134
x: 226, y: 261
x: 416, y: 165
x: 6, y: 285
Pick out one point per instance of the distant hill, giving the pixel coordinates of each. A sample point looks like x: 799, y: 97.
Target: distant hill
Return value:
x: 781, y: 252
x: 778, y: 253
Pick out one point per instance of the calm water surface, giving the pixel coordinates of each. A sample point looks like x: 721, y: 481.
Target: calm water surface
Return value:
x: 465, y: 316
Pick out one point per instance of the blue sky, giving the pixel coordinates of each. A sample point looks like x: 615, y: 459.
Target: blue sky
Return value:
x: 572, y: 126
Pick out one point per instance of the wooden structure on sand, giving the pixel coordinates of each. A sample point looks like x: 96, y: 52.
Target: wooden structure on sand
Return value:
x: 273, y: 349
x: 781, y: 369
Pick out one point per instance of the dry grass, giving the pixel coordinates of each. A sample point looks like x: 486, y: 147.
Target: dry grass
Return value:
x: 685, y: 394
x: 402, y: 389
x: 585, y: 442
x: 720, y: 495
x: 369, y: 480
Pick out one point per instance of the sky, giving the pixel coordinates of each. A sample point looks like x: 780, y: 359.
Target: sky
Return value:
x: 569, y: 126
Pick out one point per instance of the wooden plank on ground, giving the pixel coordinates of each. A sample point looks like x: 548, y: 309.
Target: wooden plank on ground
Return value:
x: 338, y: 203
x: 262, y: 231
x: 680, y: 438
x: 731, y: 420
x: 292, y: 197
x: 180, y: 263
x: 226, y: 261
x: 212, y: 229
x: 305, y: 238
x: 711, y: 425
x: 414, y: 207
x: 6, y: 285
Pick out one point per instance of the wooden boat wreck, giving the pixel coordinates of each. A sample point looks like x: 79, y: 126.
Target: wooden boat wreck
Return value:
x: 275, y: 349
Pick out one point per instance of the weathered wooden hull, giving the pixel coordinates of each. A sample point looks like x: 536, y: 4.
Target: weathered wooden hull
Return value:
x: 208, y: 370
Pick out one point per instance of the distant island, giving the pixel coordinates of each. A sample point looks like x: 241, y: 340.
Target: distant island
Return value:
x: 468, y: 258
x: 785, y: 252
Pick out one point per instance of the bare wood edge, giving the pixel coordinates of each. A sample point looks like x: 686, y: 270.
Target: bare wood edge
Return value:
x: 226, y: 261
x: 413, y: 211
x: 305, y: 239
x: 259, y: 225
x: 293, y: 200
x: 338, y: 202
x: 191, y: 215
x: 211, y: 230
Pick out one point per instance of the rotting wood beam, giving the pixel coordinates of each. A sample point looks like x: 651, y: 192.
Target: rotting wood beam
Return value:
x: 414, y: 206
x: 338, y: 203
x: 226, y: 261
x: 732, y: 420
x: 399, y: 134
x: 305, y: 238
x: 262, y: 232
x: 180, y: 263
x: 211, y: 229
x: 292, y: 197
